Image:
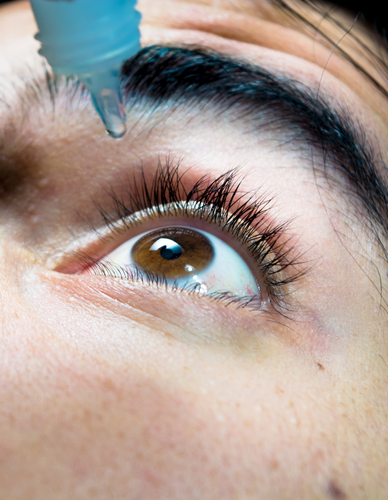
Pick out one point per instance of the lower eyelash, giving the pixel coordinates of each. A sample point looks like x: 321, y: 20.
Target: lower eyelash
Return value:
x: 135, y: 274
x: 219, y: 202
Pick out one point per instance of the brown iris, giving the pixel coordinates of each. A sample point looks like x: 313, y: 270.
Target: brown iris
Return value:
x: 174, y: 252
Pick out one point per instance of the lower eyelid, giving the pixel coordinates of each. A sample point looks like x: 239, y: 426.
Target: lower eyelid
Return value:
x: 220, y: 320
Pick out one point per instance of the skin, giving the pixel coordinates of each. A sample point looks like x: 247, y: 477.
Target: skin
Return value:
x: 117, y: 389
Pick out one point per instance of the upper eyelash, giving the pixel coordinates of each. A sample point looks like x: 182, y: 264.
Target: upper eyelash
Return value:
x: 219, y: 201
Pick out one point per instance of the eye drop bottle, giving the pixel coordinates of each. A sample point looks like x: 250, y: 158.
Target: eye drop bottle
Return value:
x: 91, y: 39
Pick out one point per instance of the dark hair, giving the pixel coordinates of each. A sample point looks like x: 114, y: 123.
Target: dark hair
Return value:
x: 372, y: 13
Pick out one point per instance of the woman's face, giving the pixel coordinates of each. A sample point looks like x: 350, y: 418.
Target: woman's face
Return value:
x: 115, y: 386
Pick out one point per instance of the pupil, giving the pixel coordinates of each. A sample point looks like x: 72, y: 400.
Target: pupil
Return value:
x: 171, y: 253
x: 170, y: 250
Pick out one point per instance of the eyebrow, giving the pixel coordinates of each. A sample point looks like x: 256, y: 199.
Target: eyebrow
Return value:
x: 196, y: 76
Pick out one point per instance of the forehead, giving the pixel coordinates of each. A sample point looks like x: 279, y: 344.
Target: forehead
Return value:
x: 330, y: 38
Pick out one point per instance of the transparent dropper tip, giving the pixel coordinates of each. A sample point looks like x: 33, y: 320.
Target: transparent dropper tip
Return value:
x: 108, y: 101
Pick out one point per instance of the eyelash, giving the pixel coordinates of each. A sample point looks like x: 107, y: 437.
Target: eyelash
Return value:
x: 219, y: 202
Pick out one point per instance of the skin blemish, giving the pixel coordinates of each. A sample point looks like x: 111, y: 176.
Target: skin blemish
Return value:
x: 335, y: 491
x: 320, y: 366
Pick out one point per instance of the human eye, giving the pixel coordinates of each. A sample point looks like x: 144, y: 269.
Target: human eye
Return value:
x: 186, y: 257
x: 202, y: 236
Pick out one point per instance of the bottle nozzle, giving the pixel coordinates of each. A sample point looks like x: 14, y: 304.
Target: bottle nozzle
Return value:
x: 91, y: 39
x: 107, y: 98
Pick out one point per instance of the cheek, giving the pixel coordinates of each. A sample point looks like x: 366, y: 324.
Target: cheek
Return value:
x: 90, y: 401
x: 190, y: 424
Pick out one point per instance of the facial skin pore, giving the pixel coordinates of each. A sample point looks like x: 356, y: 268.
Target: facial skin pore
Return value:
x: 113, y: 388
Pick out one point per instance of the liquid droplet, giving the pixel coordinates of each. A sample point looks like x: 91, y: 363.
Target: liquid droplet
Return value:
x: 107, y: 99
x: 118, y: 133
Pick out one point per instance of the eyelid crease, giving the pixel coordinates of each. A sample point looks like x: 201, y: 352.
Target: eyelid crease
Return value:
x: 221, y: 202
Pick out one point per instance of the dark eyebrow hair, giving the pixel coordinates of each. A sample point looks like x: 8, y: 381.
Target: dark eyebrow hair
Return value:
x: 199, y: 76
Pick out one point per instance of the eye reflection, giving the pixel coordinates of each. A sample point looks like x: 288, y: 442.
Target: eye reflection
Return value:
x: 189, y: 258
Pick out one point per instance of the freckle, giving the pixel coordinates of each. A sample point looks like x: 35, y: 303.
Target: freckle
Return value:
x: 335, y: 491
x: 274, y: 465
x: 320, y: 366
